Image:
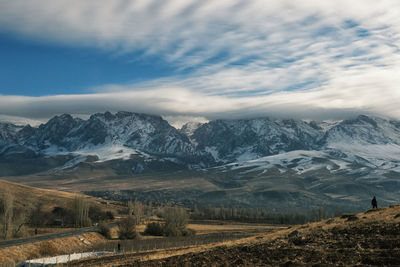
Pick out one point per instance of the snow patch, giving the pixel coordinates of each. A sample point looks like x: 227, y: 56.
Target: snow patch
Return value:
x: 103, y: 152
x: 213, y: 151
x: 301, y: 161
x: 108, y: 152
x: 386, y: 156
x: 63, y: 258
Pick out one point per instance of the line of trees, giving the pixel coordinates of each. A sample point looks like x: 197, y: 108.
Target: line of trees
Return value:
x: 80, y: 212
x: 254, y: 215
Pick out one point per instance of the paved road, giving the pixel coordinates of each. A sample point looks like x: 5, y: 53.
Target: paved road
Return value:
x: 22, y: 241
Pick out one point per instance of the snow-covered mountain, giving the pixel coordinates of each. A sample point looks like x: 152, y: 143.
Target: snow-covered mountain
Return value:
x: 239, y: 140
x: 103, y: 136
x: 363, y: 147
x: 367, y: 141
x: 282, y: 161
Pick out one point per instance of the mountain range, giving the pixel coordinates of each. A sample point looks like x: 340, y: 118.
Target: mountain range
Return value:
x: 283, y: 161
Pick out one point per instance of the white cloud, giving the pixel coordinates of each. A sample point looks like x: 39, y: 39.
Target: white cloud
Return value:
x: 180, y: 120
x: 175, y: 102
x: 20, y: 120
x: 304, y: 58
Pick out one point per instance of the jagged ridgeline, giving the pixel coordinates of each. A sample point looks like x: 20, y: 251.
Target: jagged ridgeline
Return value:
x: 260, y: 160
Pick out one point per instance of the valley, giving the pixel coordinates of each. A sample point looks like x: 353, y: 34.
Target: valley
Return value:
x: 284, y: 164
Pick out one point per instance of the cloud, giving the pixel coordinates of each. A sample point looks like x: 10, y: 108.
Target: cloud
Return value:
x: 176, y: 102
x: 20, y: 120
x: 236, y: 58
x: 190, y: 32
x: 179, y: 121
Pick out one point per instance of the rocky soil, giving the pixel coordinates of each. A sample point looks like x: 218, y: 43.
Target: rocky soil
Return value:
x: 353, y: 240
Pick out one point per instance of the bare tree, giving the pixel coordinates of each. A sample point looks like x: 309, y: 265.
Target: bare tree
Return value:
x: 176, y: 219
x: 127, y: 229
x: 20, y: 220
x: 81, y: 212
x: 138, y: 211
x: 6, y: 214
x: 130, y: 208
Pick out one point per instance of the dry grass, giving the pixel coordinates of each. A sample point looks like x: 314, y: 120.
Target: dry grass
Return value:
x: 213, y: 227
x: 204, y: 228
x: 338, y: 239
x: 55, y: 246
x: 28, y: 198
x: 31, y: 197
x: 99, y: 180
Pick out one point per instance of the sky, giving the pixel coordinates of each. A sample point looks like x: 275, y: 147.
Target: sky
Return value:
x: 199, y: 60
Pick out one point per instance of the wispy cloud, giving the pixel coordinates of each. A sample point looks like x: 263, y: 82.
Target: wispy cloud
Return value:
x: 293, y: 58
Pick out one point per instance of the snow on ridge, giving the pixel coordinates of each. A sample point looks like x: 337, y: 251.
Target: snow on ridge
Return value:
x: 378, y: 155
x: 326, y: 125
x: 103, y: 152
x: 303, y: 161
x: 246, y: 156
x: 107, y: 152
x: 213, y: 151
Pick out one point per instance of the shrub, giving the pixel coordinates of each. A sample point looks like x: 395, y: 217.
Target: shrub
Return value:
x: 127, y: 229
x: 47, y: 249
x: 38, y: 217
x: 61, y: 215
x: 104, y: 230
x: 154, y: 228
x: 110, y: 215
x: 96, y: 214
x: 188, y: 232
x: 176, y: 219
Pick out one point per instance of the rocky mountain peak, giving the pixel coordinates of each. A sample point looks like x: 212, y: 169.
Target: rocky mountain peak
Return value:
x: 216, y: 142
x: 189, y: 128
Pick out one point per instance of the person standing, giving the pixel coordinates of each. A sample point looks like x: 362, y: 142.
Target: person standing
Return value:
x: 374, y: 203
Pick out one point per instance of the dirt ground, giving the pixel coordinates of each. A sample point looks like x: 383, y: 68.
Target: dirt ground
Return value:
x: 366, y: 239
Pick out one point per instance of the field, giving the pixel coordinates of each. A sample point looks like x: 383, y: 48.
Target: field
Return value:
x: 365, y: 239
x: 208, y: 232
x: 27, y: 198
x: 241, y: 187
x: 371, y: 238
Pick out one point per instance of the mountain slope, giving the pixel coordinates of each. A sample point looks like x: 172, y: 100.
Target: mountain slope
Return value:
x: 103, y: 137
x: 232, y: 140
x: 290, y: 163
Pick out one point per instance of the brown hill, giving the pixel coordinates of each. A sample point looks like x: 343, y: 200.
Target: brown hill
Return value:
x: 26, y: 197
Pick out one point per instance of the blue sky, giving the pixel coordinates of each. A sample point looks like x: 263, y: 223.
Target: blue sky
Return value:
x: 33, y: 68
x: 199, y: 60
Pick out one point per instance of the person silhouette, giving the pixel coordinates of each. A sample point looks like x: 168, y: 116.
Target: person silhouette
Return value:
x: 374, y: 203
